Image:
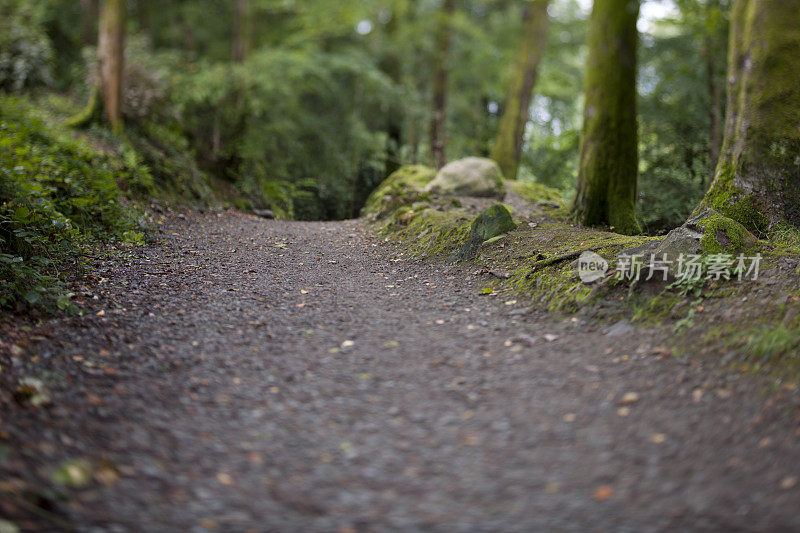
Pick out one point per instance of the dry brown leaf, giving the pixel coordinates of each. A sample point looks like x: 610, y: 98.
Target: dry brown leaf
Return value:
x: 603, y: 492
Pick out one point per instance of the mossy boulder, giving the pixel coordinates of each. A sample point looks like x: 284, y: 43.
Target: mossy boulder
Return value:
x: 403, y: 187
x: 707, y: 232
x: 491, y: 223
x: 472, y: 176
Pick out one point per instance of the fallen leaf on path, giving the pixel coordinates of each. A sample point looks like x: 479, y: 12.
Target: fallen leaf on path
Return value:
x: 224, y: 478
x: 487, y: 290
x: 31, y: 391
x: 207, y: 523
x: 471, y: 440
x: 603, y: 493
x: 623, y: 411
x: 662, y: 352
x: 74, y: 473
x: 106, y: 476
x: 658, y: 438
x: 788, y: 482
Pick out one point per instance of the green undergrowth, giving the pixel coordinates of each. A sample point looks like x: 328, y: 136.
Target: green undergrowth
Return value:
x: 536, y: 192
x: 59, y: 197
x: 769, y: 345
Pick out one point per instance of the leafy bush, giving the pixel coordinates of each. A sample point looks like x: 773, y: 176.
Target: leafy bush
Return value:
x: 26, y: 54
x: 58, y: 195
x: 289, y: 128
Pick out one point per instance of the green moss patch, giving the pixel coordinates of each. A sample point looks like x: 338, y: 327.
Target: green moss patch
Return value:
x: 725, y: 235
x: 404, y: 187
x: 490, y: 224
x: 536, y: 192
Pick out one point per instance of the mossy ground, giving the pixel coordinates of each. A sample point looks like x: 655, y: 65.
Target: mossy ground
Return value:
x: 744, y: 322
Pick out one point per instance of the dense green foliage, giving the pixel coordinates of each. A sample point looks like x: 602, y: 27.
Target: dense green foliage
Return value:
x: 292, y: 127
x: 58, y: 196
x: 26, y: 52
x: 333, y: 95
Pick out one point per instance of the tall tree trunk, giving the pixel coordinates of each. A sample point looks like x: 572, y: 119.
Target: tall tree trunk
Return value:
x: 715, y: 106
x: 89, y: 13
x: 111, y: 55
x: 241, y: 31
x: 440, y: 72
x: 757, y: 179
x: 392, y: 65
x: 508, y: 145
x: 608, y: 168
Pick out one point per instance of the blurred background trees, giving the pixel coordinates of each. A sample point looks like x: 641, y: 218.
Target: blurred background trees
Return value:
x: 304, y: 107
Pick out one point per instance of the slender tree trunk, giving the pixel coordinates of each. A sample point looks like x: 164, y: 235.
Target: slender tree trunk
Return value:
x: 392, y: 65
x: 715, y: 106
x: 757, y: 179
x: 241, y: 31
x: 111, y: 55
x: 89, y: 13
x: 608, y: 168
x: 440, y: 73
x: 508, y: 145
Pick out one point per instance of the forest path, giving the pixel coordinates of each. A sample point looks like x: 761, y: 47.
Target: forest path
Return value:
x: 285, y: 376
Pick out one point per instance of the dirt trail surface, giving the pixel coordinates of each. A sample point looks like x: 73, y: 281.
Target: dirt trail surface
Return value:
x: 251, y: 375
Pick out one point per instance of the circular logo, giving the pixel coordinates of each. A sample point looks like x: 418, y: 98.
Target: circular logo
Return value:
x: 591, y: 267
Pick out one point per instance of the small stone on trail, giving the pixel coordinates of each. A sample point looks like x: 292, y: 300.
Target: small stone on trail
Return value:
x: 629, y: 398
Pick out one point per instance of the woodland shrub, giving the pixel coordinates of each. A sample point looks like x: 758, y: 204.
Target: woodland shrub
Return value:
x: 59, y: 195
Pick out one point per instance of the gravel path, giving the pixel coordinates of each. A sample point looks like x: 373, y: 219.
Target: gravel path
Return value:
x: 282, y: 376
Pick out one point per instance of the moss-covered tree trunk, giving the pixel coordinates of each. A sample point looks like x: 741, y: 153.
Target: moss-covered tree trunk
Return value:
x: 714, y: 86
x: 608, y: 168
x: 440, y: 73
x: 508, y: 144
x: 111, y: 56
x: 105, y: 99
x: 757, y: 179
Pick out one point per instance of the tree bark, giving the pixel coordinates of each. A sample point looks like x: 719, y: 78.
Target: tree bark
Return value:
x: 608, y: 168
x: 111, y: 56
x: 89, y: 13
x: 508, y: 145
x: 440, y: 73
x: 392, y: 65
x: 757, y: 178
x: 241, y: 31
x: 715, y: 106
